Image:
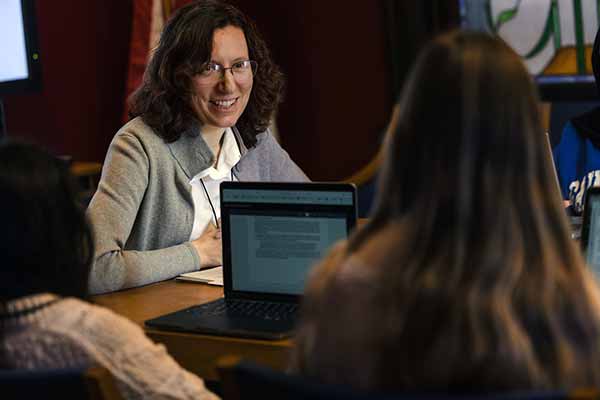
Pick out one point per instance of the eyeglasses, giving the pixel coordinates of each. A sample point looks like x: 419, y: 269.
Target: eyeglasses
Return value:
x: 242, y: 71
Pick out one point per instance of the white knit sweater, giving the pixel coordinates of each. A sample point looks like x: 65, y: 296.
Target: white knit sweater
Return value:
x: 71, y: 333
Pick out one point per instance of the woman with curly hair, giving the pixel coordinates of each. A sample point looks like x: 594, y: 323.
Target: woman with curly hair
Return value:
x: 200, y: 117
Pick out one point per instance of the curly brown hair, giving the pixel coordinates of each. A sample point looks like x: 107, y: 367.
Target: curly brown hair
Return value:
x: 164, y: 98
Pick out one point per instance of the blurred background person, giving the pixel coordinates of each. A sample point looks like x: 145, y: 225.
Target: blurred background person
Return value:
x: 577, y: 156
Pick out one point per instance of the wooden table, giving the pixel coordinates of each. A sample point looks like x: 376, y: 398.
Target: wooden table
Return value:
x: 86, y: 169
x: 87, y: 174
x: 197, y: 353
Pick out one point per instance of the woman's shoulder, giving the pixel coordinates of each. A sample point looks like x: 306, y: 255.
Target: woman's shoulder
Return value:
x: 271, y: 160
x: 103, y: 332
x: 98, y: 323
x: 83, y: 325
x: 264, y: 140
x: 136, y: 137
x: 377, y: 247
x: 137, y: 363
x: 259, y: 155
x: 339, y: 268
x: 138, y: 129
x: 346, y: 266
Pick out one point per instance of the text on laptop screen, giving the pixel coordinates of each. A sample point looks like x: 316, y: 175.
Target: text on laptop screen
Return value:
x: 288, y: 197
x: 280, y: 249
x: 273, y: 247
x: 593, y: 244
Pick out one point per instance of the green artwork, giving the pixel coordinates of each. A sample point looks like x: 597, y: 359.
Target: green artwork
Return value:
x: 554, y: 37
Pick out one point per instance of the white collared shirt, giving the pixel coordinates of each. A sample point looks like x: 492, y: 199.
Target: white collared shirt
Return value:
x: 212, y: 178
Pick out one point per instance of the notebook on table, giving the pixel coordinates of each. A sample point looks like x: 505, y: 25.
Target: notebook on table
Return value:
x: 272, y: 234
x: 211, y: 276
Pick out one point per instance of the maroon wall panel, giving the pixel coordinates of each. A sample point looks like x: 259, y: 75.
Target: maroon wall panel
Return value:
x: 84, y: 46
x: 339, y: 85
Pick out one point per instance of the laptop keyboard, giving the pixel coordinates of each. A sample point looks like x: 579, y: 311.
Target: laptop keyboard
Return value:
x: 247, y: 308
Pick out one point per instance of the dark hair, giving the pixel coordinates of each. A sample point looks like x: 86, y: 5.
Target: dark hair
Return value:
x: 164, y: 99
x: 476, y: 284
x: 45, y: 242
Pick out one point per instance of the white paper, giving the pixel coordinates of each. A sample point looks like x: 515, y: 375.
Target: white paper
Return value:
x: 212, y: 276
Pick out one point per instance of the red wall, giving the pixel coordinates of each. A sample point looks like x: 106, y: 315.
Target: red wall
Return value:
x: 339, y: 85
x: 84, y: 46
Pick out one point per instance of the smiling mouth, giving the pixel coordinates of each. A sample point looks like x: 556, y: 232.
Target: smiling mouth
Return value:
x: 223, y: 105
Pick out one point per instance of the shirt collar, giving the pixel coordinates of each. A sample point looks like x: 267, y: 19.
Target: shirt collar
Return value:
x: 192, y: 153
x: 230, y: 152
x: 229, y: 156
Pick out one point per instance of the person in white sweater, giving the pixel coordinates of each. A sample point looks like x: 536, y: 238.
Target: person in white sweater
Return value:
x: 45, y: 321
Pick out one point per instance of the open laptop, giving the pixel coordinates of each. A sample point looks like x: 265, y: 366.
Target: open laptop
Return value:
x: 272, y: 233
x: 574, y: 220
x: 550, y: 159
x: 590, y: 229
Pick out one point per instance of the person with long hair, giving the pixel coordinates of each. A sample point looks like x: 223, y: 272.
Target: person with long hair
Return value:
x: 45, y: 320
x: 200, y: 117
x: 465, y: 278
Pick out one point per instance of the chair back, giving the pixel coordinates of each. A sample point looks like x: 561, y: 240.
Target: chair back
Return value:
x: 242, y: 380
x: 93, y: 383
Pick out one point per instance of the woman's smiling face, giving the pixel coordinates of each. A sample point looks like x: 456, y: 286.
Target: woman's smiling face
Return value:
x: 220, y: 102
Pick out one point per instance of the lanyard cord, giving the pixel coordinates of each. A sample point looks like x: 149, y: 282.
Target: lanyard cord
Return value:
x: 212, y: 207
x: 210, y: 202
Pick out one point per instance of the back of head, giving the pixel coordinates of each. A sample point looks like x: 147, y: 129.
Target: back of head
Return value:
x: 45, y: 243
x: 465, y: 164
x: 469, y: 132
x: 478, y: 285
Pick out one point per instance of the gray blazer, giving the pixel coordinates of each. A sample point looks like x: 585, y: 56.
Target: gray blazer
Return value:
x: 142, y: 213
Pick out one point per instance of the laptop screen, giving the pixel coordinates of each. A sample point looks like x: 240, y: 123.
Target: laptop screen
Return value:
x: 274, y: 233
x: 550, y: 159
x: 591, y: 229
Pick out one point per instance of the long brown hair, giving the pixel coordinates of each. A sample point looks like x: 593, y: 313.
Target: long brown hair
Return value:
x: 476, y: 284
x: 45, y: 241
x: 164, y: 98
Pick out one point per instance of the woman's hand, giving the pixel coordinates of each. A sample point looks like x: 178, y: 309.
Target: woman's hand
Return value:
x: 208, y: 246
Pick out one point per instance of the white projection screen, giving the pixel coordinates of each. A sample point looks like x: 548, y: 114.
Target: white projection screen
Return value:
x: 13, y: 52
x: 19, y: 68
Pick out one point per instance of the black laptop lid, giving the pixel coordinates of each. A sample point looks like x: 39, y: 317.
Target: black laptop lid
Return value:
x: 273, y: 233
x: 590, y: 230
x: 550, y: 161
